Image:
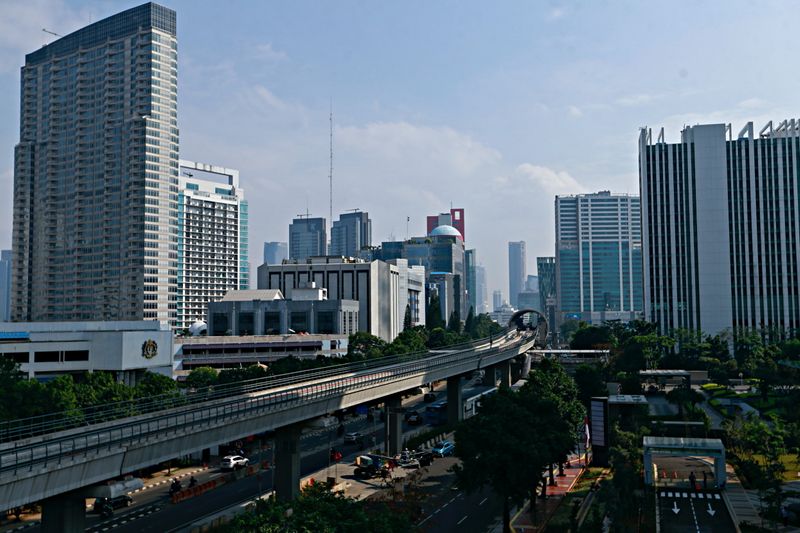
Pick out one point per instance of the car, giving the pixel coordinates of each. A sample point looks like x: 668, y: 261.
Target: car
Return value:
x: 443, y: 448
x: 425, y: 458
x: 352, y: 438
x: 413, y: 418
x: 116, y: 502
x: 429, y: 397
x: 232, y: 462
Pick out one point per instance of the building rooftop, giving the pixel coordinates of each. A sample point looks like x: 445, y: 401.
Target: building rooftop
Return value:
x: 445, y: 230
x: 252, y: 294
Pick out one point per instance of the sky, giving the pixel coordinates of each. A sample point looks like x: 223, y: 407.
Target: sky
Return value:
x: 495, y: 107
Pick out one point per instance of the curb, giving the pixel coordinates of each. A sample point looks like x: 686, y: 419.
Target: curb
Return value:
x: 162, y: 482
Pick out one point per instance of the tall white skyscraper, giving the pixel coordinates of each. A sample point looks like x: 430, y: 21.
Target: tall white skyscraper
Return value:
x: 212, y: 238
x: 598, y: 257
x: 96, y: 173
x: 516, y: 271
x: 721, y: 222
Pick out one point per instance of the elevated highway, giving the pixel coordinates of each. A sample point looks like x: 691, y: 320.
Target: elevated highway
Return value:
x: 55, y: 466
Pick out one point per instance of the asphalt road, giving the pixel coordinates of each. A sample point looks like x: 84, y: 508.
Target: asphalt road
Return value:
x: 683, y: 511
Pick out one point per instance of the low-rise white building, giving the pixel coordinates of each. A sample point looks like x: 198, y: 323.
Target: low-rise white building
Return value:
x: 46, y: 350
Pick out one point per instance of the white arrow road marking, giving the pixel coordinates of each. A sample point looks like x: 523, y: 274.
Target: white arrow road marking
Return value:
x: 675, y: 507
x: 710, y: 511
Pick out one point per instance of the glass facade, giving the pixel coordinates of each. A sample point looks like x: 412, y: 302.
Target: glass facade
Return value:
x: 307, y: 238
x: 96, y: 174
x: 351, y: 233
x: 598, y: 267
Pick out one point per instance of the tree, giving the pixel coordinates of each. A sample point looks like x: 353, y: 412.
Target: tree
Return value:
x: 362, y: 345
x: 154, y: 384
x: 592, y: 338
x: 469, y: 323
x: 319, y: 509
x: 454, y: 324
x: 407, y: 318
x: 201, y: 377
x: 514, y: 464
x: 433, y: 313
x: 590, y: 382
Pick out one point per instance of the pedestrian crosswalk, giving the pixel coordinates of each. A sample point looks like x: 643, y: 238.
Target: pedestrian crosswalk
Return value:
x: 688, y: 494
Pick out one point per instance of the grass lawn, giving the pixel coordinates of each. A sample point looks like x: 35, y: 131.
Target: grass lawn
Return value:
x: 789, y: 462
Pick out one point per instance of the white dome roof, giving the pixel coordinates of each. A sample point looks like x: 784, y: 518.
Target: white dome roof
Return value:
x: 197, y: 328
x: 446, y: 230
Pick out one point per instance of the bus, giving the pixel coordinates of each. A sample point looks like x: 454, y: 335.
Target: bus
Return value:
x: 436, y: 413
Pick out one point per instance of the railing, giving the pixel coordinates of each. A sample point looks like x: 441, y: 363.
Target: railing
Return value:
x: 13, y: 430
x: 131, y: 432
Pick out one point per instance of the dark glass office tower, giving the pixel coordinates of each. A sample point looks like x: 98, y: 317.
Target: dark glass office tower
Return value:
x: 96, y: 173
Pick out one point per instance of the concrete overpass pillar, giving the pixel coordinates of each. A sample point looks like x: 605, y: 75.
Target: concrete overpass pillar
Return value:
x: 504, y: 373
x: 287, y: 462
x: 455, y: 403
x: 65, y: 513
x: 394, y: 424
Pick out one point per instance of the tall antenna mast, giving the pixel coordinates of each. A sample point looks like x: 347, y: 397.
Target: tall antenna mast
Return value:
x: 330, y: 172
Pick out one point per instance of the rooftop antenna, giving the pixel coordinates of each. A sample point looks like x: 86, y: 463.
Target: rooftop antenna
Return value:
x: 408, y: 219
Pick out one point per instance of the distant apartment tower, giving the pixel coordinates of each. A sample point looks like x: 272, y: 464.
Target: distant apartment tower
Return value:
x: 598, y: 257
x: 454, y: 218
x: 350, y: 233
x: 482, y: 303
x: 516, y: 271
x: 307, y: 238
x: 546, y: 272
x: 212, y: 238
x: 497, y: 300
x: 720, y: 228
x: 5, y: 285
x: 470, y: 270
x: 96, y: 174
x: 275, y: 252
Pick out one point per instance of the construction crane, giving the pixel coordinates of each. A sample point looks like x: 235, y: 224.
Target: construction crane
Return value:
x: 50, y: 32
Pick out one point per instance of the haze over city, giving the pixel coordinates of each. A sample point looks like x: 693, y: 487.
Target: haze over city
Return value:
x: 491, y: 107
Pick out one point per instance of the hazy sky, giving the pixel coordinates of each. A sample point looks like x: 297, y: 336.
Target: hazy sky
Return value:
x: 491, y: 106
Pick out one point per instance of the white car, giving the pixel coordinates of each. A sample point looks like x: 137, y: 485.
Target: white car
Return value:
x: 352, y: 438
x: 231, y: 462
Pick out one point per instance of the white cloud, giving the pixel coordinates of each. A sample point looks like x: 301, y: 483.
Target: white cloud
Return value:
x: 574, y: 111
x: 547, y: 179
x: 753, y: 103
x: 266, y: 52
x: 633, y: 100
x: 556, y: 13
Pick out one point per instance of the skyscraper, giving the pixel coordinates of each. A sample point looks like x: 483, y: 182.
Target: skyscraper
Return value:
x: 516, y: 270
x: 212, y: 238
x: 454, y: 218
x: 350, y: 233
x: 497, y: 300
x: 481, y: 290
x: 720, y: 228
x: 598, y: 257
x: 96, y: 173
x: 546, y: 271
x: 275, y: 252
x: 307, y: 238
x: 470, y: 266
x: 5, y: 285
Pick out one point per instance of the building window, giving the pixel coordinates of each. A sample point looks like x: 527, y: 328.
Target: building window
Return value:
x: 219, y: 324
x: 272, y: 323
x: 46, y: 357
x: 246, y: 323
x: 76, y: 355
x: 18, y: 357
x: 325, y: 324
x: 299, y: 321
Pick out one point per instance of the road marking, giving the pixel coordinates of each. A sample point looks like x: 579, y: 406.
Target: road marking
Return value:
x: 716, y: 496
x: 684, y: 495
x: 694, y: 516
x: 669, y: 494
x: 426, y: 519
x: 436, y: 511
x: 445, y: 505
x: 483, y: 501
x: 452, y: 499
x: 459, y: 522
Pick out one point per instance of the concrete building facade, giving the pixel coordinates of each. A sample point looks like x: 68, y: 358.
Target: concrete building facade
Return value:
x: 307, y: 238
x: 720, y: 228
x: 5, y: 285
x: 46, y: 350
x: 382, y: 289
x: 212, y: 238
x: 598, y: 257
x: 96, y: 174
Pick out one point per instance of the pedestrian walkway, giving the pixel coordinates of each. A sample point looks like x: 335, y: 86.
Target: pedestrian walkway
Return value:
x: 522, y: 521
x: 713, y: 415
x: 738, y: 500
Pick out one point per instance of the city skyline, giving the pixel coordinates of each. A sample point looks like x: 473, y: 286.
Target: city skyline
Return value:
x: 277, y: 84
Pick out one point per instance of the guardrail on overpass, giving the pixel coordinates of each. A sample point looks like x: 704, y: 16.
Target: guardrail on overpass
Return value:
x: 38, y: 467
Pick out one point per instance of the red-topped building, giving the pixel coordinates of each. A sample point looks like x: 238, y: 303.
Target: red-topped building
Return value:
x: 454, y: 218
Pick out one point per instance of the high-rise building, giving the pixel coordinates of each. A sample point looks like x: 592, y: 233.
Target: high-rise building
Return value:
x: 351, y: 233
x: 454, y: 218
x: 470, y: 269
x: 5, y: 285
x: 598, y: 257
x: 546, y: 272
x: 212, y: 238
x: 275, y: 252
x: 482, y: 302
x: 307, y: 238
x: 497, y: 300
x: 720, y: 228
x: 516, y: 270
x: 96, y: 174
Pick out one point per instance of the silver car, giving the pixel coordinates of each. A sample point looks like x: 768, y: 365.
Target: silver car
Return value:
x: 231, y: 462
